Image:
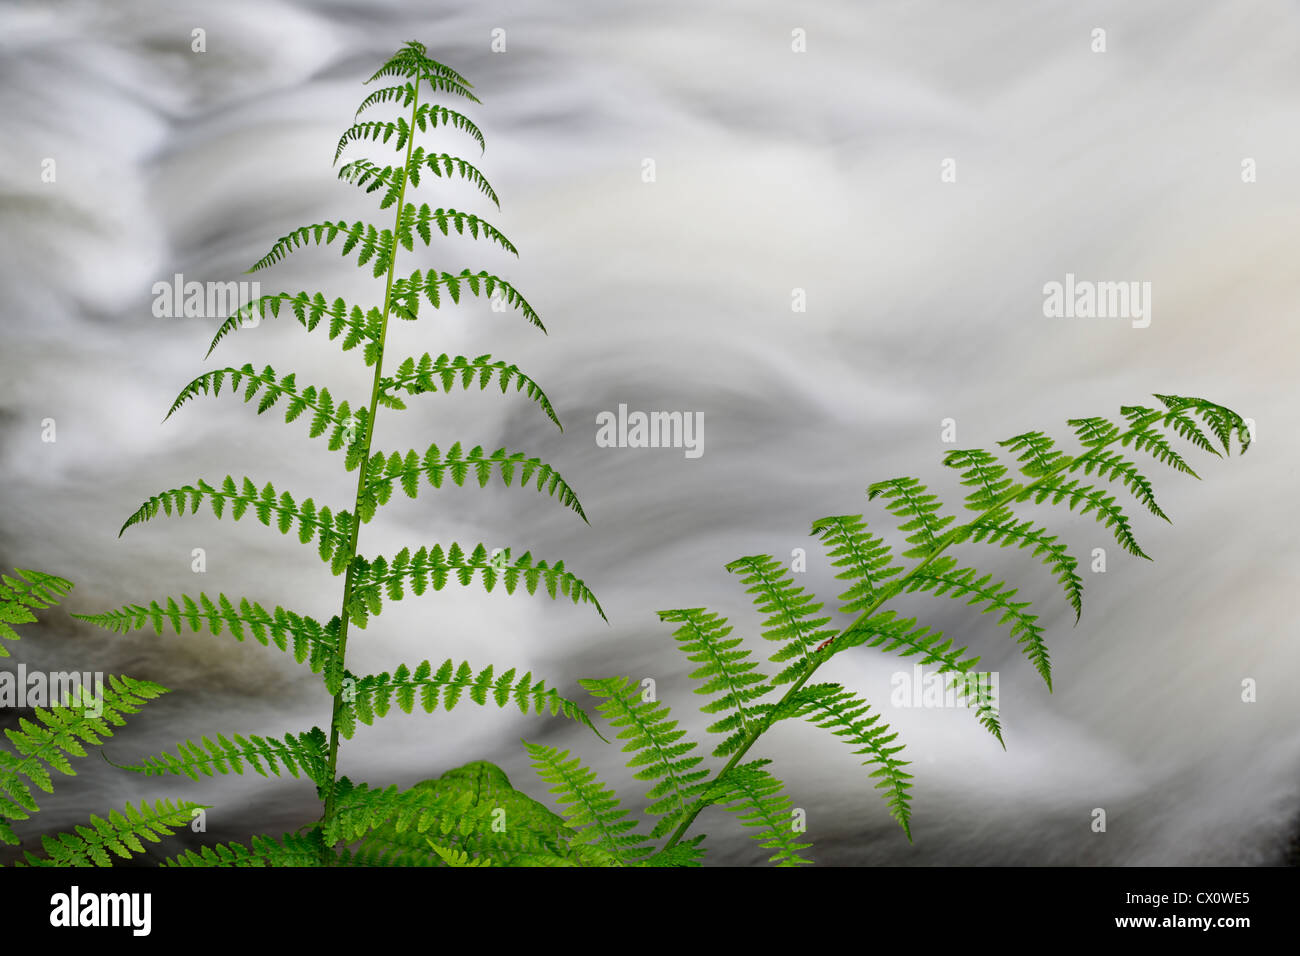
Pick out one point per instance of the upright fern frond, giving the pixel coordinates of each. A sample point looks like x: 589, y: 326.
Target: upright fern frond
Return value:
x: 335, y: 532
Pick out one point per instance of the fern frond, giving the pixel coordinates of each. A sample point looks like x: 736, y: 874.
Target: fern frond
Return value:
x: 1113, y: 465
x: 332, y: 531
x: 907, y: 498
x: 58, y: 733
x: 658, y: 749
x: 725, y: 671
x: 405, y: 297
x: 833, y: 708
x: 866, y: 558
x: 456, y: 465
x: 420, y: 220
x: 22, y: 592
x: 791, y: 610
x: 591, y: 808
x: 309, y: 309
x: 311, y: 641
x: 417, y: 378
x: 999, y: 526
x: 305, y: 751
x: 943, y: 577
x: 290, y: 850
x: 373, y: 695
x: 755, y: 796
x: 119, y: 835
x: 433, y: 567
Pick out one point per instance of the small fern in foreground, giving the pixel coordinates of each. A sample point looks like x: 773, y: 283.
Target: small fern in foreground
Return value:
x: 64, y: 731
x: 745, y: 702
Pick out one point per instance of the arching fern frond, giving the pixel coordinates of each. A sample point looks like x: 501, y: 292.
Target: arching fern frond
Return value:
x: 23, y: 592
x: 590, y: 808
x: 266, y: 755
x: 1095, y: 501
x: 373, y: 695
x: 308, y: 640
x: 417, y: 378
x: 725, y: 671
x: 119, y: 835
x: 756, y: 797
x: 456, y: 465
x: 433, y: 567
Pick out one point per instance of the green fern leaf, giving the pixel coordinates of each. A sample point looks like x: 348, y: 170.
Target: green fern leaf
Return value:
x: 119, y: 835
x: 424, y: 376
x: 658, y: 749
x: 21, y: 593
x: 373, y: 695
x: 791, y: 610
x: 589, y: 806
x: 755, y: 796
x: 833, y: 708
x: 433, y: 567
x: 725, y: 671
x: 308, y: 640
x: 456, y: 465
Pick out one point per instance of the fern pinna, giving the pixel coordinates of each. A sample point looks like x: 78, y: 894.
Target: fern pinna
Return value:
x: 746, y: 702
x: 335, y: 532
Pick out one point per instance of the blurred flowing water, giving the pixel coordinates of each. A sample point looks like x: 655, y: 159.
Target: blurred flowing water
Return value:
x: 775, y: 171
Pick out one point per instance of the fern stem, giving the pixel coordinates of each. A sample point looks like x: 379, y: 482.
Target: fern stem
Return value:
x: 340, y: 654
x: 896, y: 587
